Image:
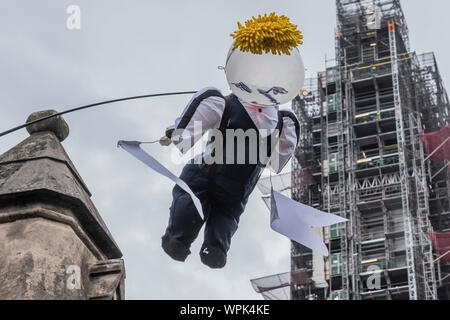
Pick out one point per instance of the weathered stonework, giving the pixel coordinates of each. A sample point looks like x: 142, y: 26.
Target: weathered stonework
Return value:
x: 57, y: 124
x: 53, y: 242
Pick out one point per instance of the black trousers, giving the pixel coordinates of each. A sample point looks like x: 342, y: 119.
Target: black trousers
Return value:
x: 222, y: 210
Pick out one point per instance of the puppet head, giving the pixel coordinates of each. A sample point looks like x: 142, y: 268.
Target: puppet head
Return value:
x: 264, y: 66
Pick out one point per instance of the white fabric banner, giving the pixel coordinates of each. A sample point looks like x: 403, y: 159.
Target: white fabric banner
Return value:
x: 133, y: 147
x: 297, y: 221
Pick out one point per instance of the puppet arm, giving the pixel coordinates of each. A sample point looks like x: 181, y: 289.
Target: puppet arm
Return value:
x: 202, y: 113
x: 289, y: 138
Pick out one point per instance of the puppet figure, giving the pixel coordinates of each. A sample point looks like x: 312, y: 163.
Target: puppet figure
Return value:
x: 247, y: 131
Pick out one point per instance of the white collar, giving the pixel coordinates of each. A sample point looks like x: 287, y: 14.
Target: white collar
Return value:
x: 263, y: 117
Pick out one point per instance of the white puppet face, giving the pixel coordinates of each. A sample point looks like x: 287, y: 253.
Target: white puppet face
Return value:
x: 266, y: 79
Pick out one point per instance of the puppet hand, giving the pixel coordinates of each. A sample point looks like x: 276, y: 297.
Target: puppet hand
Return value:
x: 165, y: 141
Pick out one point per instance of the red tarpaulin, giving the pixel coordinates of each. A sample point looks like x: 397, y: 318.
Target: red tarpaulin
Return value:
x: 435, y: 140
x: 441, y: 243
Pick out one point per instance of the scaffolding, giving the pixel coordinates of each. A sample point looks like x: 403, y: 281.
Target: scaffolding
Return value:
x: 361, y: 121
x: 433, y: 112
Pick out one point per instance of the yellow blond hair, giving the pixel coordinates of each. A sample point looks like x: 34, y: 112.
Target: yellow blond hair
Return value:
x: 268, y: 33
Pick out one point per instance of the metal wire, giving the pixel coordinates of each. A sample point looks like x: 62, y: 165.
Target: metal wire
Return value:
x: 94, y: 105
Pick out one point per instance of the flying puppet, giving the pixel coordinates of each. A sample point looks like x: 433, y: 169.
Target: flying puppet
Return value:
x: 264, y: 69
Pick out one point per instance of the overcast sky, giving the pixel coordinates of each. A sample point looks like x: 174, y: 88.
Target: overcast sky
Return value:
x: 135, y: 47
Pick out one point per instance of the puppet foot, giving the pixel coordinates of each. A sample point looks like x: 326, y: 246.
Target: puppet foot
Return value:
x: 213, y: 257
x: 174, y: 248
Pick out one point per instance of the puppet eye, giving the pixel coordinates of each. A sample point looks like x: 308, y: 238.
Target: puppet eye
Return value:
x: 243, y: 87
x: 268, y: 96
x: 279, y: 90
x: 275, y: 91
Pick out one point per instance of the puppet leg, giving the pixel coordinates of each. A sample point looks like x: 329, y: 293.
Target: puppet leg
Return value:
x: 184, y: 221
x: 184, y: 226
x: 221, y: 225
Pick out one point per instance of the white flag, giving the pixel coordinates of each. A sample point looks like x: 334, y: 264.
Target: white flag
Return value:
x: 133, y: 147
x: 296, y: 221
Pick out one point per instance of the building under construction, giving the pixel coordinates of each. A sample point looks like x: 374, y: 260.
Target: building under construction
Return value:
x: 361, y: 121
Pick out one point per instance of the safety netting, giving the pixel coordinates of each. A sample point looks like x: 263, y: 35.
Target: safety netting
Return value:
x: 278, y: 286
x: 281, y: 183
x: 437, y: 144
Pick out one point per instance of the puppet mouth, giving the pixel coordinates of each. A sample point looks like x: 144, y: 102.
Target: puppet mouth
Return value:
x: 256, y: 107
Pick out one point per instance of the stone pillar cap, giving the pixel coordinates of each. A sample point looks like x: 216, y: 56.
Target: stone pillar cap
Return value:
x: 57, y: 125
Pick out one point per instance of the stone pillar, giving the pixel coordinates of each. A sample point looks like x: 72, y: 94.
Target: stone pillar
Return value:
x: 53, y: 242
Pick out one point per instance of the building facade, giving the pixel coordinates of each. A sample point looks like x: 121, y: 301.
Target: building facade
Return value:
x: 54, y: 244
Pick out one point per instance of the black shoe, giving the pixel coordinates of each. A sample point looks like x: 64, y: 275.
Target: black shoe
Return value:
x: 213, y: 257
x: 174, y: 248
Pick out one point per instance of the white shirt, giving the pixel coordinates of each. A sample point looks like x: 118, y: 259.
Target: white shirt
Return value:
x: 209, y: 114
